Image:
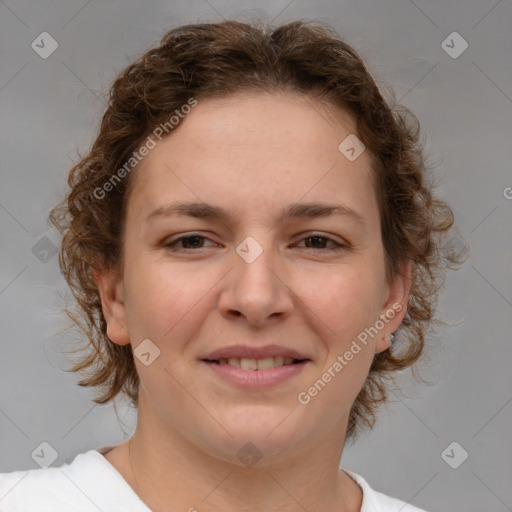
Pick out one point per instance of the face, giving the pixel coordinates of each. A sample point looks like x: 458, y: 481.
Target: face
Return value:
x: 311, y: 284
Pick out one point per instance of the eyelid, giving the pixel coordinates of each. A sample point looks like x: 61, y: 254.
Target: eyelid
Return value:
x: 338, y: 246
x: 172, y: 242
x: 321, y: 234
x: 303, y: 236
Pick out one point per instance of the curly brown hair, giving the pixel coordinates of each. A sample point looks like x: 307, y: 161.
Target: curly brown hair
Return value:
x: 219, y: 59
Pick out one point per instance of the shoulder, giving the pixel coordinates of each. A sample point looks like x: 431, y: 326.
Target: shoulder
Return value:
x: 374, y: 501
x: 87, y: 483
x: 41, y: 489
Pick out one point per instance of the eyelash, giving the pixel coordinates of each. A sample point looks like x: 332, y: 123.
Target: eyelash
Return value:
x: 172, y: 245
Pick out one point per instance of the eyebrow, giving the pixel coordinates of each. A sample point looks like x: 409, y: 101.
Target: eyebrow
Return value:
x: 294, y: 211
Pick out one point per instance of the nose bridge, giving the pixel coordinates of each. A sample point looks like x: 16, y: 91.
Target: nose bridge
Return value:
x: 257, y: 261
x: 256, y: 289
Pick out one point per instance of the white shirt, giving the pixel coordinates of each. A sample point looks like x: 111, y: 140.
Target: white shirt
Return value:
x: 91, y: 484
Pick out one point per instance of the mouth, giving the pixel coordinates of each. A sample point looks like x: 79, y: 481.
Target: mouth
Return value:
x: 249, y: 364
x: 256, y: 374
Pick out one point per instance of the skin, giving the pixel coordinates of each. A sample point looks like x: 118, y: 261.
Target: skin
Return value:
x: 252, y: 154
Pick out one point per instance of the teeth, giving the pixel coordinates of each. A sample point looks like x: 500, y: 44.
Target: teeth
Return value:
x: 257, y: 364
x: 278, y: 361
x: 266, y: 364
x: 248, y: 364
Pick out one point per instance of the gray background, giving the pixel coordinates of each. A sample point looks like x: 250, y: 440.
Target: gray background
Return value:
x: 50, y: 109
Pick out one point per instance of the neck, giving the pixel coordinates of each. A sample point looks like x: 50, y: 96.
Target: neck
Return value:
x: 168, y: 472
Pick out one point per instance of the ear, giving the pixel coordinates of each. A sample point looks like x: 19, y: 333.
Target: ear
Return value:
x: 112, y: 302
x: 394, y: 307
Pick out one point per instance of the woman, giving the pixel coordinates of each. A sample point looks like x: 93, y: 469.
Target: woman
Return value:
x: 248, y: 234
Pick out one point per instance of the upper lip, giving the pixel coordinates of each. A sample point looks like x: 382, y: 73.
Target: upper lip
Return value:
x: 243, y: 351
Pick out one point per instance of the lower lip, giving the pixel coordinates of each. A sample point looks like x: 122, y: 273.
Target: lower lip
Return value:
x: 253, y: 379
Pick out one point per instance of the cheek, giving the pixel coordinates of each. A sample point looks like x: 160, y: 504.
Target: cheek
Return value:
x: 350, y: 300
x: 148, y: 297
x: 162, y: 299
x: 350, y: 307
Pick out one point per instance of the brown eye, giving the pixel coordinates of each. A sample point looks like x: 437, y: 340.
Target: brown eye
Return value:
x: 318, y: 242
x: 189, y: 242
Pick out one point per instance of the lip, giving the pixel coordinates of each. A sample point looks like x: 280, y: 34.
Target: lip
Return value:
x: 256, y: 379
x: 250, y: 352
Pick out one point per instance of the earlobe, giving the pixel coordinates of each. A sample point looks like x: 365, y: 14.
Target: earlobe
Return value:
x: 395, y: 306
x: 111, y: 292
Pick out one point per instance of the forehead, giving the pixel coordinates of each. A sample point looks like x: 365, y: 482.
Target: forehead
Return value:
x: 254, y: 149
x: 254, y: 118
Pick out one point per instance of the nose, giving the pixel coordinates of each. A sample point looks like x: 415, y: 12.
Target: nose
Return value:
x: 256, y: 289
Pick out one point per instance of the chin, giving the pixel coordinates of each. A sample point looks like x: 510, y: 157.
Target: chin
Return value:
x: 256, y: 451
x: 258, y: 434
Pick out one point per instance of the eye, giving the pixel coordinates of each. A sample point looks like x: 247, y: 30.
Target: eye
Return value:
x: 315, y: 238
x: 189, y: 242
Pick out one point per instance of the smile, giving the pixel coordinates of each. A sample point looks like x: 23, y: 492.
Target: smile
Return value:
x: 267, y: 363
x: 256, y: 373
